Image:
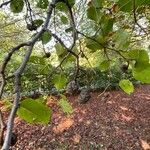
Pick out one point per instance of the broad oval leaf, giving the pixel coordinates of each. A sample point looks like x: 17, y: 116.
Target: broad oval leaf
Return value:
x: 46, y: 37
x: 126, y: 86
x: 141, y: 56
x: 64, y: 19
x: 60, y: 51
x: 105, y: 65
x: 122, y: 39
x: 59, y: 80
x: 133, y: 54
x: 141, y: 72
x: 97, y: 3
x: 42, y: 4
x: 16, y: 6
x: 92, y: 13
x: 96, y: 44
x: 71, y: 2
x: 37, y: 60
x: 127, y: 5
x: 107, y: 25
x: 34, y: 112
x: 65, y: 105
x: 70, y: 29
x: 61, y: 7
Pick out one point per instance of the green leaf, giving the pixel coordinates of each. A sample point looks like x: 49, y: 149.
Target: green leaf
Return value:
x: 64, y: 19
x: 122, y: 39
x: 133, y: 54
x: 65, y: 105
x: 97, y: 3
x: 60, y: 81
x: 42, y: 4
x: 126, y: 86
x: 16, y: 6
x: 107, y: 25
x: 46, y: 37
x: 41, y: 100
x: 141, y: 56
x: 71, y: 2
x: 70, y: 29
x: 105, y: 65
x: 141, y: 72
x: 34, y: 112
x: 95, y: 44
x: 92, y: 45
x: 44, y: 69
x: 37, y: 60
x: 61, y: 7
x: 127, y: 5
x: 92, y: 13
x: 38, y: 22
x: 60, y: 51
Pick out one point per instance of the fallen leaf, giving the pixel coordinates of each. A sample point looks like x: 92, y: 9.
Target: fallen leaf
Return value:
x: 63, y: 125
x: 145, y: 145
x: 77, y: 138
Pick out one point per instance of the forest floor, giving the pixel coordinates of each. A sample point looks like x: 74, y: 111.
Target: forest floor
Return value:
x: 115, y: 122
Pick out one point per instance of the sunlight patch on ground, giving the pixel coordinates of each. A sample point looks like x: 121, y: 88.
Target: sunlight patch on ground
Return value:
x: 63, y: 125
x: 126, y: 118
x: 124, y: 108
x: 144, y: 145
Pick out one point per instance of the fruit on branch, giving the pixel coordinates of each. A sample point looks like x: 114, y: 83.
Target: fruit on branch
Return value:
x: 72, y: 88
x: 84, y: 96
x: 31, y: 27
x: 47, y: 55
x: 124, y: 67
x: 82, y: 55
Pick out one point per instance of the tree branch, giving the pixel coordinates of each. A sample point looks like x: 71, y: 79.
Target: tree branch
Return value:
x: 5, y: 3
x: 135, y: 19
x: 18, y: 74
x: 16, y: 99
x: 2, y: 124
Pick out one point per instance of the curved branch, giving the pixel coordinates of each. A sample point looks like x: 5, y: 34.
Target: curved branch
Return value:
x: 5, y: 3
x: 18, y: 74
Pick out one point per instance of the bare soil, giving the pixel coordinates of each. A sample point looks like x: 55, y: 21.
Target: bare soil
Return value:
x: 112, y: 121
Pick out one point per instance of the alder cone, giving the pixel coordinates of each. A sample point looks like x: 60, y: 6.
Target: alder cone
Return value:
x: 47, y: 55
x: 31, y: 27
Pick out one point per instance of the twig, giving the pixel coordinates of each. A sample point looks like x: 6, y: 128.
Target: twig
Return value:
x: 16, y: 99
x: 2, y: 124
x: 135, y: 19
x: 103, y: 91
x: 18, y: 74
x: 75, y: 36
x: 105, y: 47
x: 5, y: 3
x: 68, y: 49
